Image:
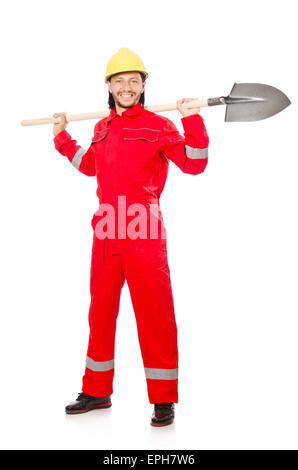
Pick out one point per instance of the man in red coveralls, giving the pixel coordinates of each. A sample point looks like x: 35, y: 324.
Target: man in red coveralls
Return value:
x: 129, y: 155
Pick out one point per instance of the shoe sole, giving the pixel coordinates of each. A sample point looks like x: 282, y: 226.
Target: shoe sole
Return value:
x: 94, y: 407
x: 165, y: 423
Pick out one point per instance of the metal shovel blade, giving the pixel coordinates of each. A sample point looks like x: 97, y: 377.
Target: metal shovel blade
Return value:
x: 253, y: 102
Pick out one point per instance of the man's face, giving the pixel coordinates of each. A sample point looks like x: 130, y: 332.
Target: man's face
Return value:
x: 126, y: 88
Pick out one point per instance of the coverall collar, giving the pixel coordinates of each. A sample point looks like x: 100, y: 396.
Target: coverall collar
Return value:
x: 134, y: 111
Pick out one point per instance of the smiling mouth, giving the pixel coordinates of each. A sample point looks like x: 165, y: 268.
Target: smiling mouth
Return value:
x: 126, y: 96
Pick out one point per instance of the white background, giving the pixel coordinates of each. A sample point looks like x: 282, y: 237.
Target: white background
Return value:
x: 232, y: 231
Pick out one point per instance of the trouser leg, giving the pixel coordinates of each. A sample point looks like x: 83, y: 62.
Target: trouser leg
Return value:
x: 148, y: 277
x: 106, y: 282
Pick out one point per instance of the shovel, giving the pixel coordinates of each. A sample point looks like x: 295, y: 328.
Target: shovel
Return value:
x: 246, y: 102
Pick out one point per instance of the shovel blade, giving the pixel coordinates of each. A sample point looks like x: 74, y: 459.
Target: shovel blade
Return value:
x: 253, y: 102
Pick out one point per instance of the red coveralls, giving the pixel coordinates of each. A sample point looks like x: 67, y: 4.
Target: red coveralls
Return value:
x: 129, y: 155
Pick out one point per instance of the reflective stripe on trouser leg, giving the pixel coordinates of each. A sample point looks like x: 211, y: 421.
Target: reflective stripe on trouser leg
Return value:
x: 148, y: 278
x: 106, y: 283
x: 99, y: 366
x: 161, y: 374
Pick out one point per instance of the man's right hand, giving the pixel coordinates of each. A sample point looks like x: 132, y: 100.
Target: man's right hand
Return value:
x: 62, y: 124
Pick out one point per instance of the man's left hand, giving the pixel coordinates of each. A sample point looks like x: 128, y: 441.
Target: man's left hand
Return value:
x: 186, y: 111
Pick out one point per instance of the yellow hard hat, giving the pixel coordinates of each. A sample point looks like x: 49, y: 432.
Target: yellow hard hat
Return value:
x: 125, y: 61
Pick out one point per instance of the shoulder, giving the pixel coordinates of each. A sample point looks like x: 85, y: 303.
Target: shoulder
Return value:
x: 101, y: 124
x: 161, y: 122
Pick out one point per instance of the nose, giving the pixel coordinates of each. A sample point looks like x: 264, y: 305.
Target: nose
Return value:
x: 126, y: 87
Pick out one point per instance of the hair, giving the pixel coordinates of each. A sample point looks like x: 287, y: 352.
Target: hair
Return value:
x: 111, y: 101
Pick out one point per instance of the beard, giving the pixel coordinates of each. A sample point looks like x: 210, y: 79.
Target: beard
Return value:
x: 134, y: 100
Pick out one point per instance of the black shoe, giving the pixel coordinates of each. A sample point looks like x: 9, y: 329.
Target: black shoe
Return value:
x: 163, y: 414
x: 86, y: 403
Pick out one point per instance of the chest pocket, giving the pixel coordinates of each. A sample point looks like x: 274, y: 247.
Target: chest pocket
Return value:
x: 140, y: 145
x: 99, y: 136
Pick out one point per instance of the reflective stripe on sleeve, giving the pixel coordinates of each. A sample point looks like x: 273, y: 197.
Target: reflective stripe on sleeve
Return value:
x: 99, y: 366
x: 161, y: 374
x: 76, y: 161
x: 196, y: 152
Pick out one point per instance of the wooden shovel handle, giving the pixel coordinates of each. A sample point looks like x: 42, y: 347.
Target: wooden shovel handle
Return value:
x: 101, y: 114
x: 69, y: 117
x: 158, y: 108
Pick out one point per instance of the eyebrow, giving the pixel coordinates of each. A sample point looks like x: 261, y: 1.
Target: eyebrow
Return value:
x: 121, y: 76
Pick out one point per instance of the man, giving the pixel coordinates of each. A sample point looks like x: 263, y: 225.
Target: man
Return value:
x: 129, y: 154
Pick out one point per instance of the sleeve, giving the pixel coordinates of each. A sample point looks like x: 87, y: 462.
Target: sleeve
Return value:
x: 189, y: 153
x: 83, y: 160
